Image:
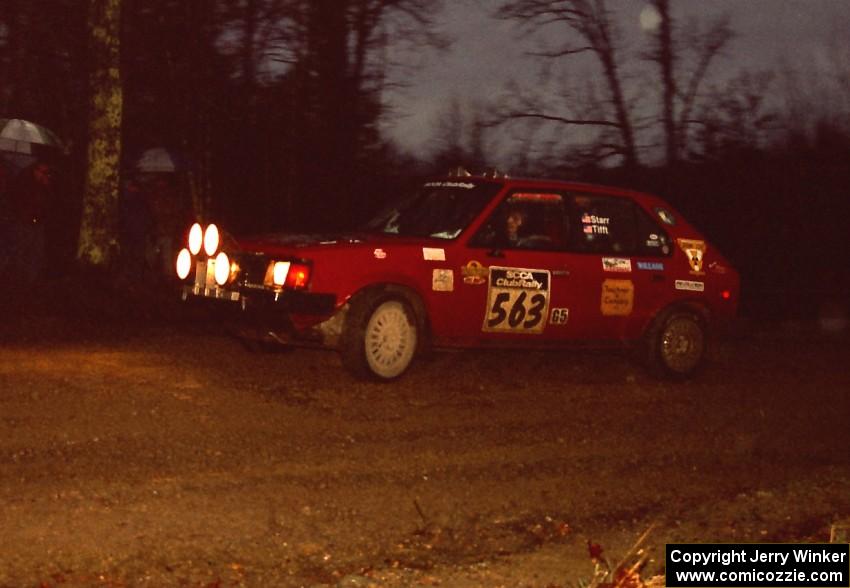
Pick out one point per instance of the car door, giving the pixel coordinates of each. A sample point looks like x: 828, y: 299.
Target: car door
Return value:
x: 630, y: 250
x: 651, y: 270
x: 520, y: 283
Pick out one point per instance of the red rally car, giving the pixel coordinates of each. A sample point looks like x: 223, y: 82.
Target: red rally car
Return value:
x: 469, y: 261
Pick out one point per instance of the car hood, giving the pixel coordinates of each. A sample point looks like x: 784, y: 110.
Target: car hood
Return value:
x: 302, y: 244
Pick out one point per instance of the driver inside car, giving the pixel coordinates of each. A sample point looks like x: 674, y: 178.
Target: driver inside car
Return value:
x: 514, y: 227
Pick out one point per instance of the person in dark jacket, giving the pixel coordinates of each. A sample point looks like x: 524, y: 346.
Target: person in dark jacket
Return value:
x: 25, y: 209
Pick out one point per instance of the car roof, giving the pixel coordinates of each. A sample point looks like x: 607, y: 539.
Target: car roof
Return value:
x: 649, y: 200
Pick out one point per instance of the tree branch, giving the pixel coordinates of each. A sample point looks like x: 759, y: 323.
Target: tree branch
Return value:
x: 561, y: 53
x: 542, y: 116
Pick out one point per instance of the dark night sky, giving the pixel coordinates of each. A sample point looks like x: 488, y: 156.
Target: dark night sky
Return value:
x: 809, y: 36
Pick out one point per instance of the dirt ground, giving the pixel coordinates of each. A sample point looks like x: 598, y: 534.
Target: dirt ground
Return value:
x: 139, y: 447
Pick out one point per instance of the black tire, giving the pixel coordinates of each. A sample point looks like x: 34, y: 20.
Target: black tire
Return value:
x: 380, y: 337
x: 675, y: 344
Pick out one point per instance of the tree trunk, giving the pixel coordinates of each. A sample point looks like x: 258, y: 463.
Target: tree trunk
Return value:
x: 621, y: 110
x: 98, y: 241
x: 665, y: 58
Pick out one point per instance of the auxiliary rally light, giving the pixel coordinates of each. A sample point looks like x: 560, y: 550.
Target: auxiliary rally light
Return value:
x: 216, y: 268
x: 211, y: 240
x: 184, y: 263
x: 222, y: 269
x: 196, y: 239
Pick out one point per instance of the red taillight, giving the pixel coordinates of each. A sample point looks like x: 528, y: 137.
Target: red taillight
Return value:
x: 726, y: 294
x: 298, y: 276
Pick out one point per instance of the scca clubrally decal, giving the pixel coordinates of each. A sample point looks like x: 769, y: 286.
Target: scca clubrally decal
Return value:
x: 517, y: 300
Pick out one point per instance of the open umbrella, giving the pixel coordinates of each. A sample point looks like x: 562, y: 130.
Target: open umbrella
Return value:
x: 19, y: 136
x: 159, y: 160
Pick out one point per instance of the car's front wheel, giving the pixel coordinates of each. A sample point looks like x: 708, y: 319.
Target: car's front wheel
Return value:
x: 380, y: 337
x: 675, y: 344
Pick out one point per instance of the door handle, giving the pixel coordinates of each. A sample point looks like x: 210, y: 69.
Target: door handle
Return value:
x: 657, y: 277
x: 496, y: 253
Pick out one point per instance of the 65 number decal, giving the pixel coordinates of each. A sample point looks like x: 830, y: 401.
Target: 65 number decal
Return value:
x: 517, y: 300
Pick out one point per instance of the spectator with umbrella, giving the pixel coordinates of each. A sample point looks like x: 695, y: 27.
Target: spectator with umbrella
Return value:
x: 154, y: 211
x: 27, y: 201
x: 22, y: 136
x: 27, y: 205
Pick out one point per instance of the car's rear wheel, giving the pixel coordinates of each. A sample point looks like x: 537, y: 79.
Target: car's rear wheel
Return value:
x: 675, y: 344
x: 380, y: 338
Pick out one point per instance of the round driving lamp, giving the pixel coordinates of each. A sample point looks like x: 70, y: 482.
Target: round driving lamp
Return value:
x: 222, y: 269
x: 184, y: 263
x: 196, y: 239
x: 211, y: 240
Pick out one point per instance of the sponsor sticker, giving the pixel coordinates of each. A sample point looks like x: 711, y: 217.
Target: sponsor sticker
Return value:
x: 660, y: 240
x: 517, y: 300
x: 443, y: 280
x: 650, y: 266
x: 690, y: 286
x: 695, y: 250
x: 433, y: 254
x: 474, y: 274
x: 618, y: 297
x: 616, y: 264
x: 380, y: 254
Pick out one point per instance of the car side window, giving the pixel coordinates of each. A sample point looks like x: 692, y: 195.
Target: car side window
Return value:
x: 526, y: 220
x: 653, y: 241
x: 616, y: 226
x: 605, y: 225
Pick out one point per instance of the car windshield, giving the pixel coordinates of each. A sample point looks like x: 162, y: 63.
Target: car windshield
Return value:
x: 441, y: 210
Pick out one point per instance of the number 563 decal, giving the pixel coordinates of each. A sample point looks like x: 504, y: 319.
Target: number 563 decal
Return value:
x: 517, y: 300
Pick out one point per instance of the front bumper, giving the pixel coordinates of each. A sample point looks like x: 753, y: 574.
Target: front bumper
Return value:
x: 256, y: 311
x: 264, y: 302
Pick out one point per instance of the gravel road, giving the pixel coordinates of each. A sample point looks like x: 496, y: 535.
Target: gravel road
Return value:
x: 148, y: 451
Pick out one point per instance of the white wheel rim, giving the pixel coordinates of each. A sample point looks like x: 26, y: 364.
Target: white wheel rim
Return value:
x: 390, y: 340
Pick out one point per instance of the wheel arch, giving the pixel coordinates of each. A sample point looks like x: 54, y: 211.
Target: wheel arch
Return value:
x: 695, y: 307
x: 389, y: 290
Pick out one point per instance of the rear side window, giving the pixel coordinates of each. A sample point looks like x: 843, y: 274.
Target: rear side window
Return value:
x: 610, y: 225
x: 653, y: 241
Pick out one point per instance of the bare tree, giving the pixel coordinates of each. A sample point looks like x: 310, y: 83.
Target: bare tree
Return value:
x: 459, y: 138
x: 665, y: 57
x: 591, y: 30
x: 590, y: 21
x: 680, y: 92
x: 335, y: 57
x: 735, y: 117
x: 98, y: 232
